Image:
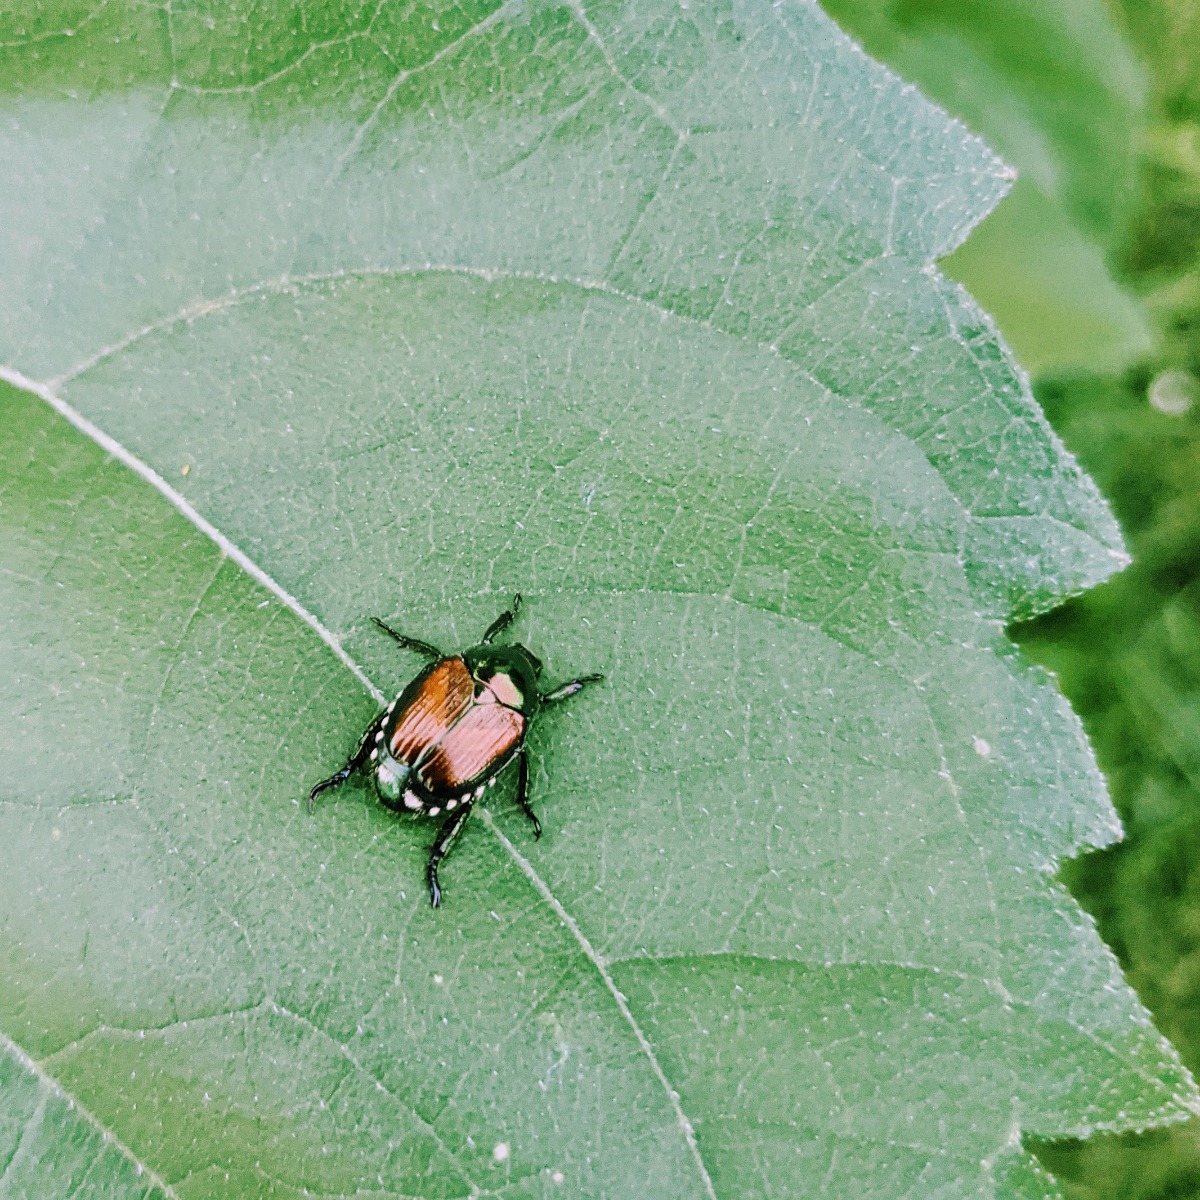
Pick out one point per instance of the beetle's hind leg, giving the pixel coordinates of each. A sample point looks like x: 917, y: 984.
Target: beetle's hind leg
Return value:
x: 502, y: 622
x: 569, y: 689
x: 355, y: 761
x: 410, y: 643
x: 523, y: 792
x: 450, y: 829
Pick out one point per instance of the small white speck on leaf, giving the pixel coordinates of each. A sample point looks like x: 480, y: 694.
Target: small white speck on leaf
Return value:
x: 500, y: 1152
x: 982, y: 748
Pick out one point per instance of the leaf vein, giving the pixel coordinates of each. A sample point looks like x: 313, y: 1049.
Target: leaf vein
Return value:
x: 48, y: 1081
x: 572, y: 926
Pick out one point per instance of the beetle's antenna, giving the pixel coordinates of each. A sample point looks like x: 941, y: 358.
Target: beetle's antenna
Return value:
x: 502, y: 622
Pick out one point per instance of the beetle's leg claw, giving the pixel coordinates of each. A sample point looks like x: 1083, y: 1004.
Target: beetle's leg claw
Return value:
x: 503, y: 621
x: 523, y: 792
x: 357, y: 759
x: 569, y: 689
x: 450, y: 829
x: 325, y: 784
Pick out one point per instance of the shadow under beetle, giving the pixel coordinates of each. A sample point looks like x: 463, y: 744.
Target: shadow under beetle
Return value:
x: 453, y: 729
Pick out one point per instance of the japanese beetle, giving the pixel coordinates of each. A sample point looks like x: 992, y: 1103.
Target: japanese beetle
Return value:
x: 452, y: 730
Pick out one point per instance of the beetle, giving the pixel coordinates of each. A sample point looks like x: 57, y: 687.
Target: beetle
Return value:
x: 451, y: 732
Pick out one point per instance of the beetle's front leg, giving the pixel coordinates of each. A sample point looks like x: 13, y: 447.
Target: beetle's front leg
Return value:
x: 449, y: 831
x: 569, y: 689
x: 355, y: 761
x: 503, y: 621
x: 523, y: 792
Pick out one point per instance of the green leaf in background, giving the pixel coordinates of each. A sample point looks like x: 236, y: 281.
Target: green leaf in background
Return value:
x: 632, y: 310
x: 1057, y: 89
x: 1128, y: 653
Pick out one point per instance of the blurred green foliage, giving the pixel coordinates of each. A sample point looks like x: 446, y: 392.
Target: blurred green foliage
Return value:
x: 1109, y: 152
x: 1128, y: 654
x: 1056, y: 89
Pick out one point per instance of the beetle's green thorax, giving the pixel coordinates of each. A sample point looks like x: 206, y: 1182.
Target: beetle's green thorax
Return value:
x: 508, y: 673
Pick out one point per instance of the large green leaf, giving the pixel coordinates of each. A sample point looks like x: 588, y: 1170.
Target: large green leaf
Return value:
x: 632, y: 310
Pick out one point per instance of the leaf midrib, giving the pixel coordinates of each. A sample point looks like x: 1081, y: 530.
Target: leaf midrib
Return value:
x: 236, y: 554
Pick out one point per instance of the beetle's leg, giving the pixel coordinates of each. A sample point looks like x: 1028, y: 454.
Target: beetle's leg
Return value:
x: 410, y: 643
x: 502, y: 622
x: 569, y: 689
x: 449, y: 831
x: 523, y: 792
x: 355, y: 761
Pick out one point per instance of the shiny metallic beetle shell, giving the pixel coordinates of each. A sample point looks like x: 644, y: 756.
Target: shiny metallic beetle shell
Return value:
x: 454, y: 728
x: 450, y: 733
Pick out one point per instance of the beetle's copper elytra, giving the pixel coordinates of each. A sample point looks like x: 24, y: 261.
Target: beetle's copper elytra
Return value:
x: 452, y: 730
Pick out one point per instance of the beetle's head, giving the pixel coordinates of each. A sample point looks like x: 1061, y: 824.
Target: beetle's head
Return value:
x: 391, y: 777
x: 509, y: 674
